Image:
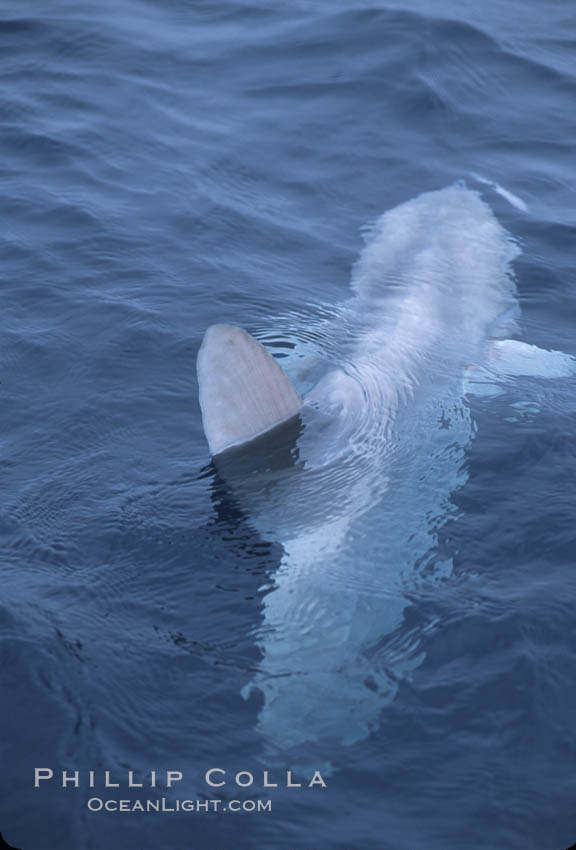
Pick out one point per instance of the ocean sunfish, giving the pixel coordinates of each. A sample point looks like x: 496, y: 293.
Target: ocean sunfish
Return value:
x: 379, y: 452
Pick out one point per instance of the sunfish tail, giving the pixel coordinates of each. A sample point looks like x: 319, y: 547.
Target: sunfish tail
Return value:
x: 243, y: 391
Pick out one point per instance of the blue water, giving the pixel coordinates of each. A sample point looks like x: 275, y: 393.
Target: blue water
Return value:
x: 166, y: 165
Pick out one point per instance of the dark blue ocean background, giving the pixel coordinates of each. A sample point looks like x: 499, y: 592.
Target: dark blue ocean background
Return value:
x: 167, y: 164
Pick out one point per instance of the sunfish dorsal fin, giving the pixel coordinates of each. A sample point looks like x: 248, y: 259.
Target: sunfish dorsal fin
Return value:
x: 243, y: 390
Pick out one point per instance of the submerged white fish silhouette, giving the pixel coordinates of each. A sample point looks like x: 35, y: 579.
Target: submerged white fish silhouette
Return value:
x: 357, y: 498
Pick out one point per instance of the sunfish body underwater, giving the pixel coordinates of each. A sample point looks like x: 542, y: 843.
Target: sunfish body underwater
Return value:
x: 357, y: 499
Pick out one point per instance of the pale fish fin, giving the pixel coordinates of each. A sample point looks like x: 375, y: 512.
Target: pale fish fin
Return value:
x: 510, y: 357
x: 243, y: 391
x: 509, y: 196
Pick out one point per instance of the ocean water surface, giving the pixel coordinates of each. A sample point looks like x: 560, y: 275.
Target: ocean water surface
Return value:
x: 171, y: 164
